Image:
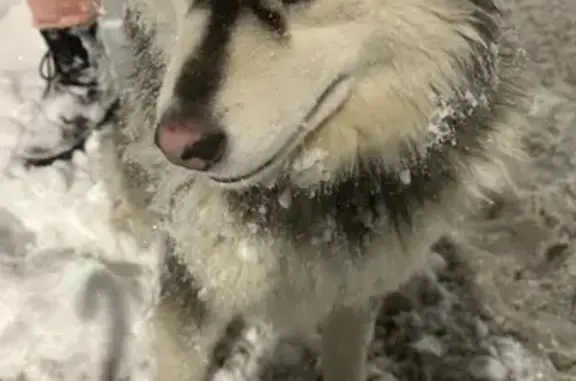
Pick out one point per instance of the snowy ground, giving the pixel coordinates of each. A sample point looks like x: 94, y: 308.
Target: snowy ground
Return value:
x: 495, y: 303
x: 75, y: 290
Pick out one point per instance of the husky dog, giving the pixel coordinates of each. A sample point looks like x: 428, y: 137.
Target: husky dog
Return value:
x: 304, y: 154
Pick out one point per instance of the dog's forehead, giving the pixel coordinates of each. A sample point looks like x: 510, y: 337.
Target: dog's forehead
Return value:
x: 270, y: 12
x: 273, y: 15
x: 277, y: 15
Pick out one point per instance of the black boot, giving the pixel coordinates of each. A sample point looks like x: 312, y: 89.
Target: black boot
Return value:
x: 80, y: 93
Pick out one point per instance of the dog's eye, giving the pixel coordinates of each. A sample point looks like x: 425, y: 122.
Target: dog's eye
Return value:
x: 294, y: 2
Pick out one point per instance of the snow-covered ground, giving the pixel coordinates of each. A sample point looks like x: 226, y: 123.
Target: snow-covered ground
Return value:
x: 71, y: 282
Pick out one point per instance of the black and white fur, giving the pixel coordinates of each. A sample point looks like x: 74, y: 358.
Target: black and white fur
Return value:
x: 358, y: 130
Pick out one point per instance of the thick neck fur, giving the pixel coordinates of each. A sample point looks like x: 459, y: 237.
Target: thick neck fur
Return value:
x: 377, y: 196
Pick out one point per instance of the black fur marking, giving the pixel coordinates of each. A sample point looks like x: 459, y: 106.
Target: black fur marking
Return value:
x: 225, y: 345
x: 274, y: 18
x: 378, y: 197
x: 202, y: 73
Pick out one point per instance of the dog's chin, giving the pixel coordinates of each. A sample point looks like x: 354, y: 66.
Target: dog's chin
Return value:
x: 276, y: 166
x: 265, y: 175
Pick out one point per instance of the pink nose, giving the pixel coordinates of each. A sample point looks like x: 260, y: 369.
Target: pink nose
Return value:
x: 189, y: 145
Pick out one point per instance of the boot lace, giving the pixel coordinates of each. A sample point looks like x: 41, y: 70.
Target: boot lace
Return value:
x: 50, y: 71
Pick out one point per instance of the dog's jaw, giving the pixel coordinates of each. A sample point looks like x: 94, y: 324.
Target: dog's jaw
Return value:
x: 327, y: 105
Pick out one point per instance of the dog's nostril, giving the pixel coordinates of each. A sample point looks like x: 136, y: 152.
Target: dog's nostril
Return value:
x: 192, y: 144
x: 210, y: 148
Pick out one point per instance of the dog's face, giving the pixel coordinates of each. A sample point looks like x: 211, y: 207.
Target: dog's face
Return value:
x: 255, y: 89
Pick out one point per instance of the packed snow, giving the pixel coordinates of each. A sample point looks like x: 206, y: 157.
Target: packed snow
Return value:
x: 75, y: 293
